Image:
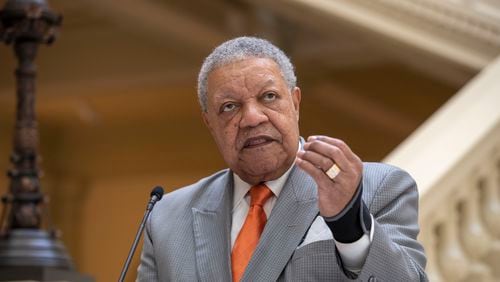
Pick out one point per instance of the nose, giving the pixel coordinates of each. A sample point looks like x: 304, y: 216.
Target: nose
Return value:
x: 252, y: 116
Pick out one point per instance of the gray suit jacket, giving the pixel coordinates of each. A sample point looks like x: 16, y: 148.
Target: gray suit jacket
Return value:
x: 188, y: 234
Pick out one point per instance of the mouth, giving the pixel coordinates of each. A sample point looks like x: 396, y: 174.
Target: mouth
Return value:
x: 257, y: 141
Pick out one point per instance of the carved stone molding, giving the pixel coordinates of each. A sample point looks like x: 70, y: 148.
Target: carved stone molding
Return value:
x: 442, y: 16
x: 452, y: 30
x: 425, y: 33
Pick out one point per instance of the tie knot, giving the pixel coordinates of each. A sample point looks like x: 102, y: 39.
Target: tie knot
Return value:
x: 259, y: 194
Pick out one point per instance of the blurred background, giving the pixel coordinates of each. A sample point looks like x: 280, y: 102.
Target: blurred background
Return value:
x: 118, y: 113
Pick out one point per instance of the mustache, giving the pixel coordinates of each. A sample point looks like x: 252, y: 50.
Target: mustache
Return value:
x: 251, y: 137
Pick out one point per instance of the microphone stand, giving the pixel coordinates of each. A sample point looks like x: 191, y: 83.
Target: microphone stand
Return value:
x: 156, y: 195
x: 134, y: 246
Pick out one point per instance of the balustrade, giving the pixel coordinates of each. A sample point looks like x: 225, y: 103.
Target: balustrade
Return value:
x: 462, y: 234
x: 455, y: 159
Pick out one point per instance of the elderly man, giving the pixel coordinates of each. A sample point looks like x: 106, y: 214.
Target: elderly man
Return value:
x: 287, y: 209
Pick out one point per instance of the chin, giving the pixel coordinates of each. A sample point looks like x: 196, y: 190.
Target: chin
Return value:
x: 262, y: 170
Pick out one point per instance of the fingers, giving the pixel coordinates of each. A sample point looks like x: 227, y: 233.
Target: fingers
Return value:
x: 319, y: 154
x: 325, y: 155
x: 335, y: 142
x: 322, y: 152
x: 317, y: 173
x: 316, y: 159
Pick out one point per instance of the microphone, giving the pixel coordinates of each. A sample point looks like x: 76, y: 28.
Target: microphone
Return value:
x: 156, y: 195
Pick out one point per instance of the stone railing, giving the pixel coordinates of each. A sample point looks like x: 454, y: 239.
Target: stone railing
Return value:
x: 455, y: 159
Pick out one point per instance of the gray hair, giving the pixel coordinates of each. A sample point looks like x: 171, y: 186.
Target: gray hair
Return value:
x: 238, y: 49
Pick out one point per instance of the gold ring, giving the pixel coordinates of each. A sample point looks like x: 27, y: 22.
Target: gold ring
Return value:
x: 333, y: 171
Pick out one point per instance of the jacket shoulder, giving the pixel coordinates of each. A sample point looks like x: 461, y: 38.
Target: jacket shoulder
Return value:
x: 374, y: 173
x: 185, y: 197
x: 386, y: 180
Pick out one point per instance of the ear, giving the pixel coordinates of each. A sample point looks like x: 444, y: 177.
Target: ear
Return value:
x: 204, y: 116
x: 296, y: 96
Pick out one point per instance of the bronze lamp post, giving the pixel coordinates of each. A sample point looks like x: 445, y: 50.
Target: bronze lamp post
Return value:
x: 27, y: 251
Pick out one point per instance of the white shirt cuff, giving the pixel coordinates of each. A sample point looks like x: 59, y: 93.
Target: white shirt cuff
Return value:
x: 354, y: 254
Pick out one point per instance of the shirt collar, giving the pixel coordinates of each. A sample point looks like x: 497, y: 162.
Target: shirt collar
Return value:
x: 241, y: 188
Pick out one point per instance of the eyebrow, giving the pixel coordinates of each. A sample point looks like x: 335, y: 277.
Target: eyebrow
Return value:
x: 230, y: 94
x: 269, y: 82
x: 224, y: 95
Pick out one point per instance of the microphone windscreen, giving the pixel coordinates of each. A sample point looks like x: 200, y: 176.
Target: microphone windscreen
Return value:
x: 158, y: 192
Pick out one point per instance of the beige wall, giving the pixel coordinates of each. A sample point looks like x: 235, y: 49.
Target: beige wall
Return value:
x: 109, y: 221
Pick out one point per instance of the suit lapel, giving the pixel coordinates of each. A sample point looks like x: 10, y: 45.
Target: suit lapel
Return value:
x: 212, y: 225
x: 290, y: 218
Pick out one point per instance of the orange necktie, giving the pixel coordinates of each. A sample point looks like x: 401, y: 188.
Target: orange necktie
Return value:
x: 249, y: 235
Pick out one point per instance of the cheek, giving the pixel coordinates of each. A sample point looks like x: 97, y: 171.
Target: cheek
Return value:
x: 229, y: 134
x: 287, y: 123
x: 289, y: 132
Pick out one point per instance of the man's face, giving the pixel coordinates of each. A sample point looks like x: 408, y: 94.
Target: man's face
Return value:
x: 253, y: 117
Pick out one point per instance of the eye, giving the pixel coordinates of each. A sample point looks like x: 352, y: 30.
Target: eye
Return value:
x: 269, y: 96
x: 228, y: 107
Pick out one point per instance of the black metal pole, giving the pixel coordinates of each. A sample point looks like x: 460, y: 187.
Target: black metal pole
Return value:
x: 134, y: 245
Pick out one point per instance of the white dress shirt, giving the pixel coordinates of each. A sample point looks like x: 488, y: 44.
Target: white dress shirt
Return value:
x: 353, y: 254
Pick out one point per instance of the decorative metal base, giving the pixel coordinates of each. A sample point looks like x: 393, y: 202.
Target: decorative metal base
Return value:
x: 38, y: 273
x: 34, y: 254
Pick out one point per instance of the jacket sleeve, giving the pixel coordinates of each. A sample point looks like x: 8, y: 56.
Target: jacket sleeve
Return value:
x: 147, y: 271
x: 395, y: 254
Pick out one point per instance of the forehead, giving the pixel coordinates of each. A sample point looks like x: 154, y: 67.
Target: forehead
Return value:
x: 245, y: 72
